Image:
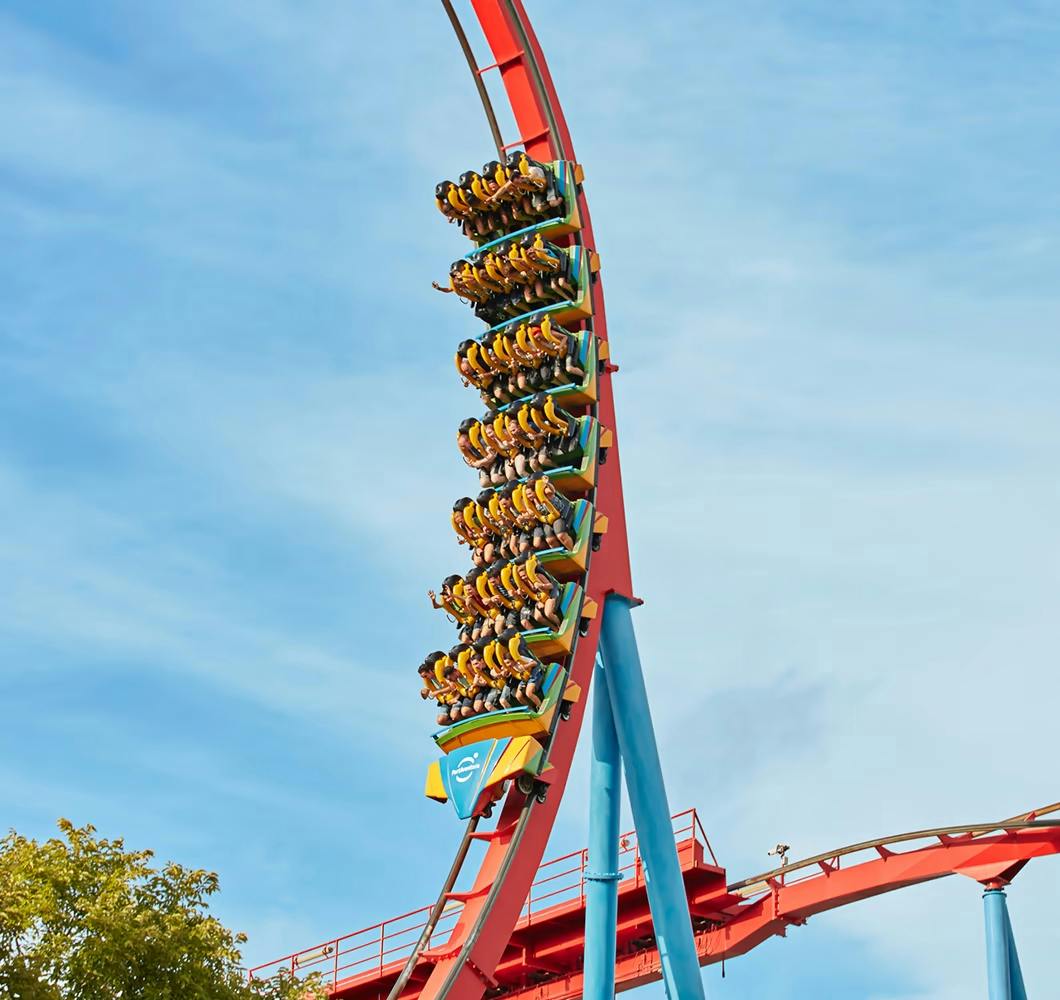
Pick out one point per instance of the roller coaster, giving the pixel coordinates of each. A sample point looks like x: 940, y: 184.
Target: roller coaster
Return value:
x: 544, y: 614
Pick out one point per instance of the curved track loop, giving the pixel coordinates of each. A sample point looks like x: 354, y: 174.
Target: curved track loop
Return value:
x: 731, y: 920
x: 463, y: 969
x: 543, y: 132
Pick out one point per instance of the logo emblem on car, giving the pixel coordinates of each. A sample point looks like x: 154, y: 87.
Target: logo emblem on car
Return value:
x: 466, y: 768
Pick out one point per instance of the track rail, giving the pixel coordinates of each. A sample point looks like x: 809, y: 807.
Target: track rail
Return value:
x: 476, y: 73
x: 941, y: 833
x: 437, y: 910
x: 463, y: 969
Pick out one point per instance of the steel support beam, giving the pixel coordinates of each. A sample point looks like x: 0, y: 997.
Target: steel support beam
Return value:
x: 647, y: 798
x: 602, y: 877
x: 1004, y: 977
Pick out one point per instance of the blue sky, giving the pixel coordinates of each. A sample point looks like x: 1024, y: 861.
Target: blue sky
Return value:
x: 830, y: 243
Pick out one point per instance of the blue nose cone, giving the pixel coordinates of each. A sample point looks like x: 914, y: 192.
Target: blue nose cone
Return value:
x: 466, y: 771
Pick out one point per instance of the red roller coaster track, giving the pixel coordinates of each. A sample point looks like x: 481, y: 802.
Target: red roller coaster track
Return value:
x: 519, y: 930
x: 463, y: 969
x: 542, y: 960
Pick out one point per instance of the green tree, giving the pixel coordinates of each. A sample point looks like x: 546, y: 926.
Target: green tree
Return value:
x: 82, y: 918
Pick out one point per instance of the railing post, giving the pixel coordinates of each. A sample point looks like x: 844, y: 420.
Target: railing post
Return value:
x: 605, y: 803
x: 647, y: 796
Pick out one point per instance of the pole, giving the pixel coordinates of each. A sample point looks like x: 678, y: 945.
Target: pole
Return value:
x: 1019, y: 991
x: 1003, y: 975
x: 647, y: 797
x: 602, y: 877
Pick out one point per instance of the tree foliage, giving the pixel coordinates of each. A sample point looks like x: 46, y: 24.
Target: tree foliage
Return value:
x: 82, y: 918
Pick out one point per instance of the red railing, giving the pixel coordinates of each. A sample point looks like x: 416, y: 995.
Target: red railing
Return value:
x: 560, y: 882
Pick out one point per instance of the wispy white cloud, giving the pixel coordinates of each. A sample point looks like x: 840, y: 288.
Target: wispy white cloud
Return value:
x: 826, y: 258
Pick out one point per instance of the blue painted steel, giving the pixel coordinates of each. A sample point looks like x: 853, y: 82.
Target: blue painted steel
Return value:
x: 1019, y: 991
x: 647, y: 797
x: 1004, y: 977
x: 602, y: 877
x: 997, y: 977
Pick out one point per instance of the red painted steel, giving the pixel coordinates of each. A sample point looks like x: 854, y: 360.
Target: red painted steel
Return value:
x: 542, y: 960
x: 367, y: 960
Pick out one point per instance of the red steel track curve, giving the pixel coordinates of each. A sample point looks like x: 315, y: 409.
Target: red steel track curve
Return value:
x: 464, y: 969
x: 731, y: 920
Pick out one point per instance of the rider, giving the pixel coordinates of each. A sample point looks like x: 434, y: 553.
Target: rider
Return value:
x: 540, y: 589
x: 552, y: 508
x: 434, y: 686
x: 522, y: 666
x: 451, y: 602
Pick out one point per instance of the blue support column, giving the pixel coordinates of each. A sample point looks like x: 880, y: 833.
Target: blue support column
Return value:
x: 601, y: 878
x: 997, y: 977
x: 1019, y: 991
x: 1004, y: 977
x: 647, y: 797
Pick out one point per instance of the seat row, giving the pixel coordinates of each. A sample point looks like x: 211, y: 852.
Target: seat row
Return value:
x: 516, y: 519
x: 482, y: 676
x: 513, y: 593
x: 521, y: 358
x: 516, y: 277
x: 534, y: 436
x: 502, y: 197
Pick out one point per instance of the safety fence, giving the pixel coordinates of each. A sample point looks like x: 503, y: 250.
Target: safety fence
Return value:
x: 560, y: 884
